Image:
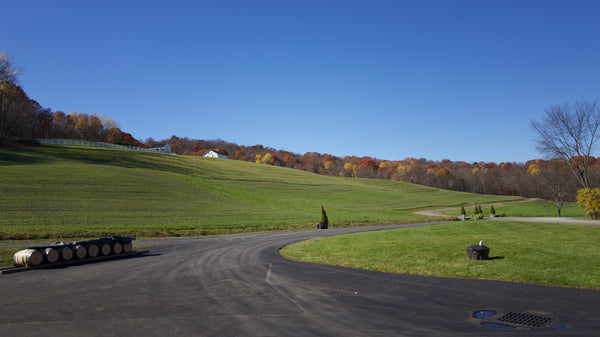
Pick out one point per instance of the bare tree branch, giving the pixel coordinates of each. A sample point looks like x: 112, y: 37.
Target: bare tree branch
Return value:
x: 569, y: 133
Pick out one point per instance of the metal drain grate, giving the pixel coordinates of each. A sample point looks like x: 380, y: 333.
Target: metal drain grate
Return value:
x: 526, y: 319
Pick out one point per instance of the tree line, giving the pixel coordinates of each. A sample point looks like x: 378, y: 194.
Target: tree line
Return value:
x: 547, y: 179
x: 23, y: 118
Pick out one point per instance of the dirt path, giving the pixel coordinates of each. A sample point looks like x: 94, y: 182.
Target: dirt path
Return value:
x: 435, y: 212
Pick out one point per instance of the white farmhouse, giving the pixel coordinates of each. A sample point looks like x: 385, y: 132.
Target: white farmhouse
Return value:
x: 215, y: 154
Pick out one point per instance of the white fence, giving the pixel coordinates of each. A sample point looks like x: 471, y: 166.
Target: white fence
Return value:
x: 165, y: 149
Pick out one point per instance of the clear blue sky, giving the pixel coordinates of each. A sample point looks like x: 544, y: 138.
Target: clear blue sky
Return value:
x: 457, y: 80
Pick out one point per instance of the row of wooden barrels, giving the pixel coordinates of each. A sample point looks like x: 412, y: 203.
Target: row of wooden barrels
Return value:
x: 78, y: 250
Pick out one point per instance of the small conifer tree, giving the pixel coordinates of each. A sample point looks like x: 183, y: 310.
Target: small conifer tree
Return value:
x: 492, y: 210
x: 462, y: 210
x: 324, y: 219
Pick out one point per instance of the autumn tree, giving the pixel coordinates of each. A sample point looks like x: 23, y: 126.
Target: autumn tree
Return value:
x: 313, y: 162
x: 8, y: 71
x: 11, y: 95
x: 569, y: 132
x: 20, y: 116
x: 41, y: 121
x: 406, y: 171
x: 350, y: 170
x: 61, y: 124
x: 386, y: 169
x: 438, y: 176
x: 367, y: 167
x: 14, y: 106
x: 112, y: 129
x: 267, y: 159
x: 239, y: 155
x: 23, y: 118
x: 331, y: 165
x: 589, y: 200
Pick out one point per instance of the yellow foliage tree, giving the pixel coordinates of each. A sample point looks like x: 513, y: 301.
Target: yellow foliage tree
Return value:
x: 533, y: 169
x: 405, y: 171
x: 329, y: 165
x: 258, y: 158
x: 8, y: 72
x: 351, y: 169
x: 589, y: 200
x: 267, y: 159
x: 442, y: 172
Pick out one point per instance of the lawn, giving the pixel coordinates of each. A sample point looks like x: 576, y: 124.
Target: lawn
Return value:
x: 541, y: 208
x: 537, y: 253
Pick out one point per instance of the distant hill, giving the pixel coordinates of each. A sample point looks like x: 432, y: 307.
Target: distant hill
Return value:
x: 62, y: 191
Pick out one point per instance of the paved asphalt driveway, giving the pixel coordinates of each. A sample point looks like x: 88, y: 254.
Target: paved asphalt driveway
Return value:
x: 241, y: 286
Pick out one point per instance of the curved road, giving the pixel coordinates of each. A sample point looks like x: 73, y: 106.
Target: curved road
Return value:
x: 241, y: 286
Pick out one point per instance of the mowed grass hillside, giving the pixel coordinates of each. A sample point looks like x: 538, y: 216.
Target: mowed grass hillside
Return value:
x: 61, y: 191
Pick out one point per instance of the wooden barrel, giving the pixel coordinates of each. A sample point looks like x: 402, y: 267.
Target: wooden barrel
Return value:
x: 118, y: 247
x: 51, y: 255
x: 105, y: 249
x: 66, y: 253
x: 92, y: 250
x: 80, y: 251
x: 127, y: 247
x: 28, y: 257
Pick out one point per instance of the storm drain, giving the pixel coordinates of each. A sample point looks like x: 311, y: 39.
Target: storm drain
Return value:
x: 514, y: 320
x: 526, y: 319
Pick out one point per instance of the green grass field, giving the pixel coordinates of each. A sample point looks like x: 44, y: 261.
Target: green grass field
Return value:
x: 540, y: 208
x: 57, y: 192
x: 538, y: 253
x: 53, y: 192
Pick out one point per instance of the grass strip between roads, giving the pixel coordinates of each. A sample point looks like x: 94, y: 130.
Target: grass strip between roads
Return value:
x: 536, y: 253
